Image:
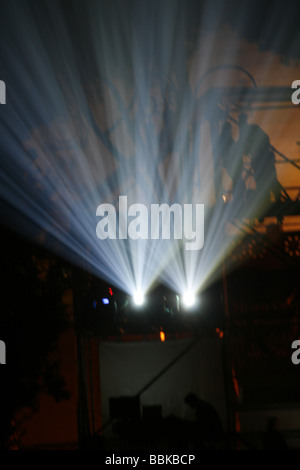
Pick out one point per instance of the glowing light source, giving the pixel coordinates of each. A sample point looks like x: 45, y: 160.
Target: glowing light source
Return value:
x: 220, y: 333
x: 162, y: 336
x: 189, y: 299
x: 105, y: 301
x: 138, y: 298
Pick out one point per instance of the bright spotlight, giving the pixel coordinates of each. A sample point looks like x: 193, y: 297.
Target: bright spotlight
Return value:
x: 189, y: 299
x: 138, y: 298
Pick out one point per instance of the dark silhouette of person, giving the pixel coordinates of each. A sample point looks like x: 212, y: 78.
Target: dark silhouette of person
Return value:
x: 226, y: 166
x: 232, y: 174
x: 231, y: 163
x: 208, y: 432
x: 272, y: 438
x: 255, y: 144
